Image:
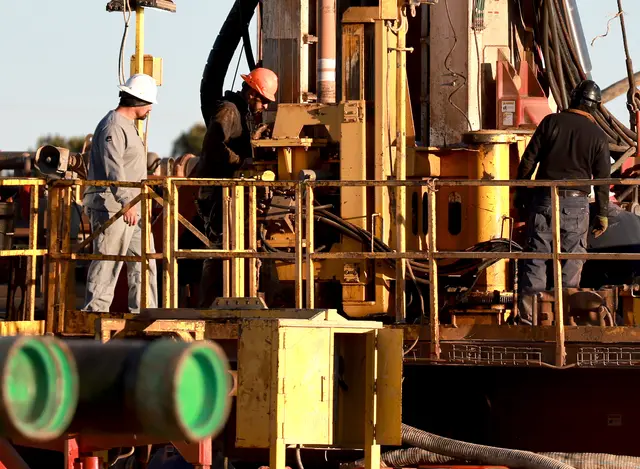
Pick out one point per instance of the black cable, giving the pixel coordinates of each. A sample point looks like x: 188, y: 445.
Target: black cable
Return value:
x: 556, y: 50
x: 461, y: 267
x: 235, y: 74
x: 246, y: 40
x: 564, y: 70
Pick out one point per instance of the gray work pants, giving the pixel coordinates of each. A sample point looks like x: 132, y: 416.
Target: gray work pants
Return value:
x: 574, y: 227
x: 124, y: 240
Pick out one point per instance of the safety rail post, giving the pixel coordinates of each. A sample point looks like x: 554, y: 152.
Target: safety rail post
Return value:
x: 167, y: 257
x: 237, y: 241
x: 146, y: 247
x: 299, y: 246
x: 434, y: 314
x: 310, y: 240
x: 32, y: 260
x: 226, y: 263
x: 557, y: 277
x: 253, y: 241
x: 175, y: 215
x: 65, y: 259
x: 53, y: 227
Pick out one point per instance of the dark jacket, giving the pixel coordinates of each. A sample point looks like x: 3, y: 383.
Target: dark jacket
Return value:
x: 569, y: 146
x: 227, y: 142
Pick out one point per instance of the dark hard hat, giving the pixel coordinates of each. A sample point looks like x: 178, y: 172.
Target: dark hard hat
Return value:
x: 587, y: 93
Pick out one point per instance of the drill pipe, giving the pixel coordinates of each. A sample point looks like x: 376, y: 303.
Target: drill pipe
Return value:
x: 39, y: 388
x: 163, y: 388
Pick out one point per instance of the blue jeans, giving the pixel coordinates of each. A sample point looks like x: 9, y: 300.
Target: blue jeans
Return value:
x: 574, y: 227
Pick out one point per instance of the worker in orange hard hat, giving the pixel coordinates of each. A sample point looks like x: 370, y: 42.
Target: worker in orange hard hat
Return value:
x: 227, y: 146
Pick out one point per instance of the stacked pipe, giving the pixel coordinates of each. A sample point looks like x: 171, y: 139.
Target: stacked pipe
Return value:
x: 163, y: 388
x: 564, y: 69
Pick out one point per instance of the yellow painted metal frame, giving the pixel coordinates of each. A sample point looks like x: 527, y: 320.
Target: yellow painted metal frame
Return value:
x: 286, y: 371
x: 138, y: 58
x: 27, y: 323
x: 276, y: 347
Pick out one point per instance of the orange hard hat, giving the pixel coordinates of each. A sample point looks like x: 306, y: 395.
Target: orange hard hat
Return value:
x: 264, y: 81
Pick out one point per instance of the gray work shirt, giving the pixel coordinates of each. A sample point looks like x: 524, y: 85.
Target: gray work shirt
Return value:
x: 117, y: 154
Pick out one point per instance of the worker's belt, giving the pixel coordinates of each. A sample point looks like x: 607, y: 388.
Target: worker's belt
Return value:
x: 571, y: 193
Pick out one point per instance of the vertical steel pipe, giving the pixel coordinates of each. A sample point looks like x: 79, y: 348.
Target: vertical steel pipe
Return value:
x: 326, y: 65
x: 139, y: 60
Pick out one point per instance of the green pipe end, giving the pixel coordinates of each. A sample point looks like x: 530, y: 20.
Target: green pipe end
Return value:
x: 202, y: 387
x: 39, y: 388
x: 186, y: 394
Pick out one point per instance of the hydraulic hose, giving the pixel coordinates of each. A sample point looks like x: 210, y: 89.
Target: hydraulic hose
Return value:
x: 458, y: 268
x: 211, y: 86
x: 558, y: 58
x: 555, y: 33
x: 412, y: 457
x: 480, y: 453
x: 596, y: 460
x: 409, y: 457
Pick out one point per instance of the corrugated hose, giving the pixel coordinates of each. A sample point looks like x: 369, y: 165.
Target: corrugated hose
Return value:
x: 412, y: 457
x: 472, y: 452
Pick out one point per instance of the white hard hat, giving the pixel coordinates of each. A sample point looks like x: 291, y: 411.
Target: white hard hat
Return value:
x: 141, y: 86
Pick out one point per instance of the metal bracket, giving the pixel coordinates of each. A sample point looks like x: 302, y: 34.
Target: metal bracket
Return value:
x: 400, y: 49
x: 239, y: 303
x: 417, y: 3
x: 351, y: 274
x: 352, y: 112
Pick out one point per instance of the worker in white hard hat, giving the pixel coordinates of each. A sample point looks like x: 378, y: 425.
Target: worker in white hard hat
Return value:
x: 118, y: 154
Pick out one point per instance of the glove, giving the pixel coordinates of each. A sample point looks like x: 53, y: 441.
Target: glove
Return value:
x: 263, y: 131
x: 600, y: 226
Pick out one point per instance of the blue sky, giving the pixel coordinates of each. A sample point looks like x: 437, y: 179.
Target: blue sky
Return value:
x: 58, y: 63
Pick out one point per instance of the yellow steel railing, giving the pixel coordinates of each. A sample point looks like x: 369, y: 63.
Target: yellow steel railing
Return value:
x: 32, y: 252
x: 234, y: 252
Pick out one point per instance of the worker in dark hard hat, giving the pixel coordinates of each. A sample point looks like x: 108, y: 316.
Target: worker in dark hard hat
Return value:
x: 227, y: 146
x: 567, y: 145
